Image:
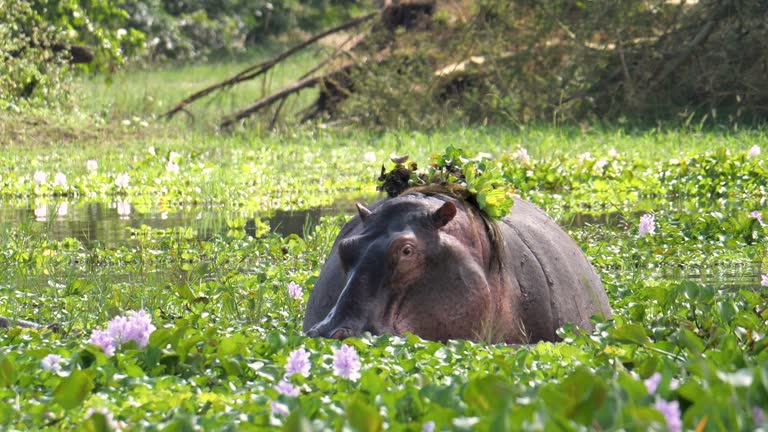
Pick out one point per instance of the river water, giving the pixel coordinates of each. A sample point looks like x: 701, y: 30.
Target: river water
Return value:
x: 106, y: 223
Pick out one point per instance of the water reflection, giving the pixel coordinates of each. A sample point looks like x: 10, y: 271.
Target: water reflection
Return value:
x: 92, y: 221
x: 106, y: 223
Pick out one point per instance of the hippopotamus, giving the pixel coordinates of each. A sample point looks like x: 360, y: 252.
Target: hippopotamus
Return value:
x: 431, y: 264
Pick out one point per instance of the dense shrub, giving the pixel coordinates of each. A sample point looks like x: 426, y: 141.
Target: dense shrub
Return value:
x: 40, y: 38
x: 195, y: 30
x: 562, y: 60
x: 25, y: 64
x: 36, y: 36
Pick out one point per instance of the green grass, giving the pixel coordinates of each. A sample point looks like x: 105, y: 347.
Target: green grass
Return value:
x: 226, y: 324
x: 148, y: 93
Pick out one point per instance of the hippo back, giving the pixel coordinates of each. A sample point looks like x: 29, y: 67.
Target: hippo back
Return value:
x: 556, y: 282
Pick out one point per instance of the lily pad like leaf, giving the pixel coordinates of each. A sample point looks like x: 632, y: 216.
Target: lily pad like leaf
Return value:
x: 73, y: 390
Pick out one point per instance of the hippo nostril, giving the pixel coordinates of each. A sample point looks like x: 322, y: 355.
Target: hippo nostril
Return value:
x: 341, y: 333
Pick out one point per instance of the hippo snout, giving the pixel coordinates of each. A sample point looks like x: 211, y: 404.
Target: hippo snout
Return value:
x: 321, y: 329
x: 341, y: 333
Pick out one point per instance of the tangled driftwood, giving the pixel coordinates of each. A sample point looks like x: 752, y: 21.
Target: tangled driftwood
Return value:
x: 534, y: 60
x: 331, y: 75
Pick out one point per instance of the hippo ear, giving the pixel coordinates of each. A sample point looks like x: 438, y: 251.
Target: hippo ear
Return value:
x: 444, y: 214
x: 362, y: 211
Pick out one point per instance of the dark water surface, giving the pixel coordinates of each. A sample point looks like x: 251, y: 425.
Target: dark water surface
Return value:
x: 103, y: 222
x: 106, y: 223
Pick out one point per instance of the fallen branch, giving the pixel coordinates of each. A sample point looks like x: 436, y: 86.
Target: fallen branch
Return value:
x: 686, y: 52
x: 301, y: 84
x: 339, y: 50
x: 280, y: 95
x: 261, y: 68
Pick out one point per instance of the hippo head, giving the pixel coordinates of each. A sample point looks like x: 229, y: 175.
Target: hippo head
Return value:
x: 416, y: 265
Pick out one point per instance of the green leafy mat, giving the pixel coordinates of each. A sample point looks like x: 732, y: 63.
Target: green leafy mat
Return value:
x: 478, y: 180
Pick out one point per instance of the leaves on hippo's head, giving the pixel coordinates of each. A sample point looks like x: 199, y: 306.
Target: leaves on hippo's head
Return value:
x: 475, y: 180
x: 495, y: 202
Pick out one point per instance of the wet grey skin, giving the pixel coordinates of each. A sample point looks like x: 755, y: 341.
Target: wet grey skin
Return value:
x: 427, y: 265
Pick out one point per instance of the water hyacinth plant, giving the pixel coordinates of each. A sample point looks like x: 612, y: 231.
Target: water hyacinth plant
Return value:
x: 685, y: 346
x: 285, y: 388
x: 52, y: 362
x: 671, y: 413
x: 757, y: 215
x: 478, y: 181
x: 346, y: 363
x: 647, y: 225
x: 294, y: 291
x: 135, y: 327
x: 279, y: 409
x: 298, y: 363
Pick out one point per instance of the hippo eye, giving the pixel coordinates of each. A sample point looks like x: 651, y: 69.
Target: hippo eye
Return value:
x: 407, y: 250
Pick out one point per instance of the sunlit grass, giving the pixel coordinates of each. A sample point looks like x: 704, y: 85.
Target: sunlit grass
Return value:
x: 148, y: 93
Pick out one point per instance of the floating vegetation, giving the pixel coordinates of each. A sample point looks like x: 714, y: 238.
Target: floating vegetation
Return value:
x: 678, y: 239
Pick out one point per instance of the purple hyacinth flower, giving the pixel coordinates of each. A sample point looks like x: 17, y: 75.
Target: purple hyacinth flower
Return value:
x: 104, y: 340
x: 647, y: 224
x: 671, y: 413
x: 757, y: 215
x: 298, y: 363
x: 759, y: 417
x: 286, y: 389
x: 52, y: 362
x: 346, y: 363
x: 138, y: 328
x: 295, y: 291
x: 279, y: 409
x: 652, y: 383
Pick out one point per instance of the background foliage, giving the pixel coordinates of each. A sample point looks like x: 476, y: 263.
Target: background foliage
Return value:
x: 477, y: 62
x: 197, y: 30
x: 560, y: 60
x: 35, y: 37
x: 146, y: 32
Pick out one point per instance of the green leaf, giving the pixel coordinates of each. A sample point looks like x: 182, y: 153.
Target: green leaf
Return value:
x: 184, y: 423
x: 7, y: 372
x: 372, y: 382
x: 73, y: 390
x: 133, y: 371
x: 297, y: 422
x: 496, y: 203
x: 232, y: 345
x: 630, y: 333
x: 690, y: 341
x: 184, y: 291
x: 586, y: 393
x: 488, y: 394
x: 727, y: 311
x: 363, y: 417
x: 97, y: 422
